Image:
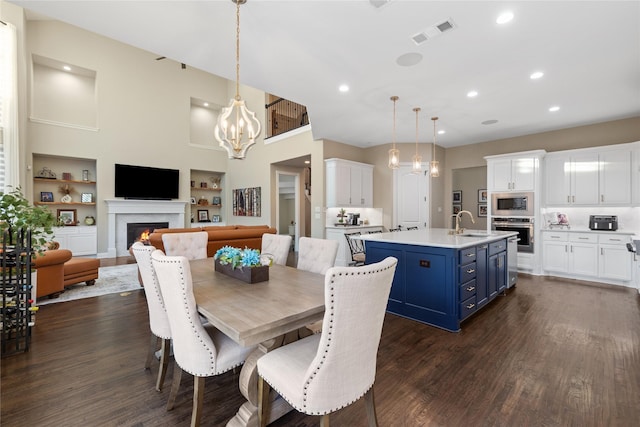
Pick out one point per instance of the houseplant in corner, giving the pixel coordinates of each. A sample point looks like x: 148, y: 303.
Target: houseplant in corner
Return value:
x: 244, y: 264
x: 16, y: 213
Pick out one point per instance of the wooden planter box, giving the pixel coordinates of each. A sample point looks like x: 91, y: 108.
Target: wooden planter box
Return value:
x: 246, y: 274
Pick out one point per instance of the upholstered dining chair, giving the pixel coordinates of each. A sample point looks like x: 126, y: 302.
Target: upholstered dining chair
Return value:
x: 356, y: 247
x: 316, y: 255
x: 158, y: 321
x: 192, y: 245
x: 276, y: 246
x: 202, y: 351
x: 323, y: 373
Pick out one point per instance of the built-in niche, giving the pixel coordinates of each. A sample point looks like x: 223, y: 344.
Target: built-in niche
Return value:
x: 63, y: 93
x: 203, y: 116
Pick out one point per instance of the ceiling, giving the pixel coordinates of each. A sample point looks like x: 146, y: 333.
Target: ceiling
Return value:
x: 304, y: 50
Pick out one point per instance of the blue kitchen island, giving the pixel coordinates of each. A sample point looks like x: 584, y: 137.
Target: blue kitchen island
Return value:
x: 442, y: 278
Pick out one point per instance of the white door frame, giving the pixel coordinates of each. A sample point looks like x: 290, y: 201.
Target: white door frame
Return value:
x: 296, y: 182
x: 425, y: 214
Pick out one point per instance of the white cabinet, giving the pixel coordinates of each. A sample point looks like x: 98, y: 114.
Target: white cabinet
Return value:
x: 517, y: 174
x: 80, y: 240
x: 588, y: 178
x: 570, y: 253
x: 348, y: 184
x: 615, y: 261
x: 343, y: 258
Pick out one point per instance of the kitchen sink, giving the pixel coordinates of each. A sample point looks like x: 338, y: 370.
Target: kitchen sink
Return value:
x: 476, y: 234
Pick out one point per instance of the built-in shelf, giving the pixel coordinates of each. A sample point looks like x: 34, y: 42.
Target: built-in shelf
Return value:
x: 64, y: 181
x: 62, y: 203
x: 206, y: 189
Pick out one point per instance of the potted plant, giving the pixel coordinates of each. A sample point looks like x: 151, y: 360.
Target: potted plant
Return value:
x: 16, y: 213
x: 230, y: 261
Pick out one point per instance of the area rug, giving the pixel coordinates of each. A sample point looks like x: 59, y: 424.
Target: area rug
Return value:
x: 111, y: 280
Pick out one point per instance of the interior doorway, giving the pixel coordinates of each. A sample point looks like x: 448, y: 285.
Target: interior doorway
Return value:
x: 288, y: 205
x: 411, y: 198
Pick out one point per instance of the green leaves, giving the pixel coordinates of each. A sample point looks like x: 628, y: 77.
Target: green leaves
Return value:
x: 16, y: 212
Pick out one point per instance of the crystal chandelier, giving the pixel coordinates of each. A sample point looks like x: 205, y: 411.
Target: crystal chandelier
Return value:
x: 416, y: 160
x: 237, y: 127
x: 394, y: 153
x: 434, y: 165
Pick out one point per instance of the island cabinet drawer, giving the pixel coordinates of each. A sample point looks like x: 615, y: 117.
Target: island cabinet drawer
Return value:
x: 467, y: 290
x: 467, y: 255
x: 467, y: 307
x: 497, y: 247
x: 467, y: 272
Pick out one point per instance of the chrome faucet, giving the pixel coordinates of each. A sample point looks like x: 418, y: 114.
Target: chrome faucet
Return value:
x: 458, y: 229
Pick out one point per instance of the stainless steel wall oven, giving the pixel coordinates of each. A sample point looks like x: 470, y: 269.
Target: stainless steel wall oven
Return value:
x: 524, y: 226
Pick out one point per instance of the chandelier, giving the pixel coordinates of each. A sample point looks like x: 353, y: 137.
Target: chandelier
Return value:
x: 434, y: 165
x: 237, y: 127
x: 394, y: 154
x: 416, y: 160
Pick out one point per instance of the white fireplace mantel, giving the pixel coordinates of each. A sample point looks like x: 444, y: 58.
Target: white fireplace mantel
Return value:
x: 122, y: 211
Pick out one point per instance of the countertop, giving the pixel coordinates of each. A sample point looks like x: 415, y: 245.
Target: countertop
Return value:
x: 352, y: 227
x: 438, y: 237
x: 588, y: 230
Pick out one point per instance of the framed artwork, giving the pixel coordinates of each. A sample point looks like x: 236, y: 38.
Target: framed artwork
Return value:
x: 457, y: 208
x: 216, y: 201
x: 482, y: 210
x: 216, y: 218
x: 203, y: 215
x: 86, y: 198
x: 67, y: 216
x: 85, y: 175
x: 193, y: 200
x: 46, y: 196
x: 482, y: 196
x: 457, y: 196
x: 247, y: 201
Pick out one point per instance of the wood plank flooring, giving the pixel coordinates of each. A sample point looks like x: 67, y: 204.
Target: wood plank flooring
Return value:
x: 551, y: 352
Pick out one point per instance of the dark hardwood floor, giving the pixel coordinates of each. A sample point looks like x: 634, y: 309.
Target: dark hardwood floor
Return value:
x: 550, y: 353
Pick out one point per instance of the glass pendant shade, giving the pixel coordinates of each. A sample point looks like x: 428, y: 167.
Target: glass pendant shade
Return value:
x: 394, y: 153
x: 416, y: 160
x: 434, y: 165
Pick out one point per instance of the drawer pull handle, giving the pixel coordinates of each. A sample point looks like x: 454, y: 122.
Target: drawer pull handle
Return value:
x: 471, y: 288
x: 614, y: 240
x: 470, y: 306
x: 555, y: 237
x: 471, y: 270
x: 583, y: 238
x: 470, y: 255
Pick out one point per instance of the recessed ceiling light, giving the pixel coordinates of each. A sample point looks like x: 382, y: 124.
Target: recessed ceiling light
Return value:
x: 307, y: 162
x: 206, y: 104
x: 536, y: 75
x: 67, y: 68
x: 504, y: 17
x: 343, y: 88
x: 490, y: 122
x: 554, y: 108
x: 442, y: 132
x: 472, y: 94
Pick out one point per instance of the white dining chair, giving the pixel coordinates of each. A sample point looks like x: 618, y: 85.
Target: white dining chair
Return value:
x: 323, y: 373
x: 276, y: 246
x: 158, y: 321
x: 192, y: 245
x: 202, y: 351
x: 316, y: 255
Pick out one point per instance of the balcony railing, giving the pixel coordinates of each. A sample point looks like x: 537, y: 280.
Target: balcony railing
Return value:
x: 284, y: 116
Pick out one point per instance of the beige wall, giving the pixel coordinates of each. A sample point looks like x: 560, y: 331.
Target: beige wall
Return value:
x: 469, y: 181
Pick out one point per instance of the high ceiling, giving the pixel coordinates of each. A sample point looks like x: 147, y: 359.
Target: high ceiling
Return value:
x: 304, y: 50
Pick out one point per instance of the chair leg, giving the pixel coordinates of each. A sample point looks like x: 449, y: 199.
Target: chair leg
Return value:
x: 264, y: 404
x: 324, y: 421
x: 370, y: 404
x: 165, y: 346
x: 175, y: 385
x: 198, y: 395
x: 152, y: 350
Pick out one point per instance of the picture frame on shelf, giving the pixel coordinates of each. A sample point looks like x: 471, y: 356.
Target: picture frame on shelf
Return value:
x: 215, y: 218
x: 66, y: 176
x: 456, y: 209
x: 203, y: 215
x: 86, y: 197
x: 193, y: 200
x: 67, y: 217
x: 216, y: 201
x: 46, y: 196
x: 482, y: 209
x: 482, y: 195
x: 456, y: 196
x: 85, y: 174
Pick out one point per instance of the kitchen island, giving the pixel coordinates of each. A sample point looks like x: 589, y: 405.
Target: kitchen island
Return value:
x: 442, y: 278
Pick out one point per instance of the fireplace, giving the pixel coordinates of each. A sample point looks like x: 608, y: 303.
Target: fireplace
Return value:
x: 141, y: 230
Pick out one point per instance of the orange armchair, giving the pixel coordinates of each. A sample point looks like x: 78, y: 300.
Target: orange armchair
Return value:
x: 50, y: 267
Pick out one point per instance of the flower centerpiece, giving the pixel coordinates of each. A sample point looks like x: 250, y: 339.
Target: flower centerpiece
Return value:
x: 244, y: 264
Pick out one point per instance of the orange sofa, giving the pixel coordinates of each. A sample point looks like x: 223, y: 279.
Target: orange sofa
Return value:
x: 219, y: 236
x: 58, y: 269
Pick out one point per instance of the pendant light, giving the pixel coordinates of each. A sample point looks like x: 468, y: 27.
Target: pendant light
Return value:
x: 239, y: 133
x: 416, y: 160
x: 434, y: 165
x: 394, y: 153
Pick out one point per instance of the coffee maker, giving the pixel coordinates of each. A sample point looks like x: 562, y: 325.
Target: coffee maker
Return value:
x: 353, y: 218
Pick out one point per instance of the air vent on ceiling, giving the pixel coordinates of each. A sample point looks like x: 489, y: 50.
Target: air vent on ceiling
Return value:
x: 433, y: 31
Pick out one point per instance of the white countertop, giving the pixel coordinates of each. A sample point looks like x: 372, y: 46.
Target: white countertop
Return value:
x: 588, y: 230
x: 438, y: 237
x: 352, y: 227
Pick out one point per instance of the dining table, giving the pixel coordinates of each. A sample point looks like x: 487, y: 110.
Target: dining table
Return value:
x: 266, y: 314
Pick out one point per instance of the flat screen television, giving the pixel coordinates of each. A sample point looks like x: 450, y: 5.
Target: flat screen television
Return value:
x: 146, y: 183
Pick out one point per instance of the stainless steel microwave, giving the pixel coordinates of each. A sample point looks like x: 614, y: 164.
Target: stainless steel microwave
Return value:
x: 512, y: 204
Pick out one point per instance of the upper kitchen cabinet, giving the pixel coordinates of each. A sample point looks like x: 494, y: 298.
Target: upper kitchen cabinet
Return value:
x: 635, y: 174
x: 588, y: 177
x: 514, y: 172
x: 348, y: 184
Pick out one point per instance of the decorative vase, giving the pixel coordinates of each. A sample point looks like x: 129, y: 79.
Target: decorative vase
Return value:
x: 246, y: 274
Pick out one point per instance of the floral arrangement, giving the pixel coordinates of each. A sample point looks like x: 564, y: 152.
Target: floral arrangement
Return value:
x: 237, y: 257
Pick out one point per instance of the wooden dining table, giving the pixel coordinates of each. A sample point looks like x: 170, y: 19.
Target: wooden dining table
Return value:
x: 265, y: 314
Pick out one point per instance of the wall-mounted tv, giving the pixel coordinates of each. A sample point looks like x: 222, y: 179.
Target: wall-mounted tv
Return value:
x: 147, y: 183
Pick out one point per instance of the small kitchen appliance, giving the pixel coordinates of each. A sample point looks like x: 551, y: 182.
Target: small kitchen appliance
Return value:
x: 603, y: 222
x: 353, y: 218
